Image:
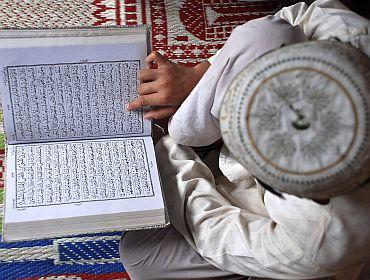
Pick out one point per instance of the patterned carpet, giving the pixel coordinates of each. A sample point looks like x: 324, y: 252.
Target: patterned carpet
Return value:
x: 187, y: 32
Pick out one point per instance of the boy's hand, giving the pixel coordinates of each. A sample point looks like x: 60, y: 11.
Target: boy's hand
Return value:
x: 165, y: 86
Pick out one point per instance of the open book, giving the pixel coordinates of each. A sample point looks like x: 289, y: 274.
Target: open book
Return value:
x: 77, y: 161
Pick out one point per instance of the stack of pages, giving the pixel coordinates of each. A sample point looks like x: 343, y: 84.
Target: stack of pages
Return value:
x: 77, y: 161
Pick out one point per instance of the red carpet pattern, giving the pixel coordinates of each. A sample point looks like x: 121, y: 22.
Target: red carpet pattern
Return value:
x: 186, y: 31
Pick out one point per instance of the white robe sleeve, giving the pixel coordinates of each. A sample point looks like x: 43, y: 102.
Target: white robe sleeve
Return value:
x: 196, y: 122
x: 213, y: 57
x: 329, y: 20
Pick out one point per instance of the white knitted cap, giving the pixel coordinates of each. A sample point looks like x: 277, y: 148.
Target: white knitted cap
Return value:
x: 298, y: 118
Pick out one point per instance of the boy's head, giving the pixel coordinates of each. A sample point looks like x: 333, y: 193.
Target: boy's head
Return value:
x: 298, y: 118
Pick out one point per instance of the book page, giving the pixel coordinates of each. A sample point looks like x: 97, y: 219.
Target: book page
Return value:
x: 81, y: 178
x: 71, y: 92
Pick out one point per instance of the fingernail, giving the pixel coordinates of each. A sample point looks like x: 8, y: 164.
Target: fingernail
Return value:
x: 127, y: 107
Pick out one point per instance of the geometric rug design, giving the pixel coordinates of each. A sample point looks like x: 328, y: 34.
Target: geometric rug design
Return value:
x: 85, y: 257
x: 187, y: 32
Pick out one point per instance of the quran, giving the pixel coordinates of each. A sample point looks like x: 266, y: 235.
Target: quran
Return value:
x: 77, y: 161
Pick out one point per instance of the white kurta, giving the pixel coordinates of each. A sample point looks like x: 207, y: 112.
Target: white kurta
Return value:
x: 238, y: 227
x: 229, y: 220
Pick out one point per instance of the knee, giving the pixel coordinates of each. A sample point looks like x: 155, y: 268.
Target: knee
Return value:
x: 135, y: 250
x: 127, y: 249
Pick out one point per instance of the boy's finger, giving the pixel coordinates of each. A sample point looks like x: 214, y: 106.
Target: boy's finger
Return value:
x: 155, y: 57
x: 146, y: 75
x: 151, y: 65
x: 160, y: 113
x: 144, y: 101
x: 147, y: 88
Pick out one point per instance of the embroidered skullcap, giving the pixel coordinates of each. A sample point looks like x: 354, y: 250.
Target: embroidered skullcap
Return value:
x: 298, y: 119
